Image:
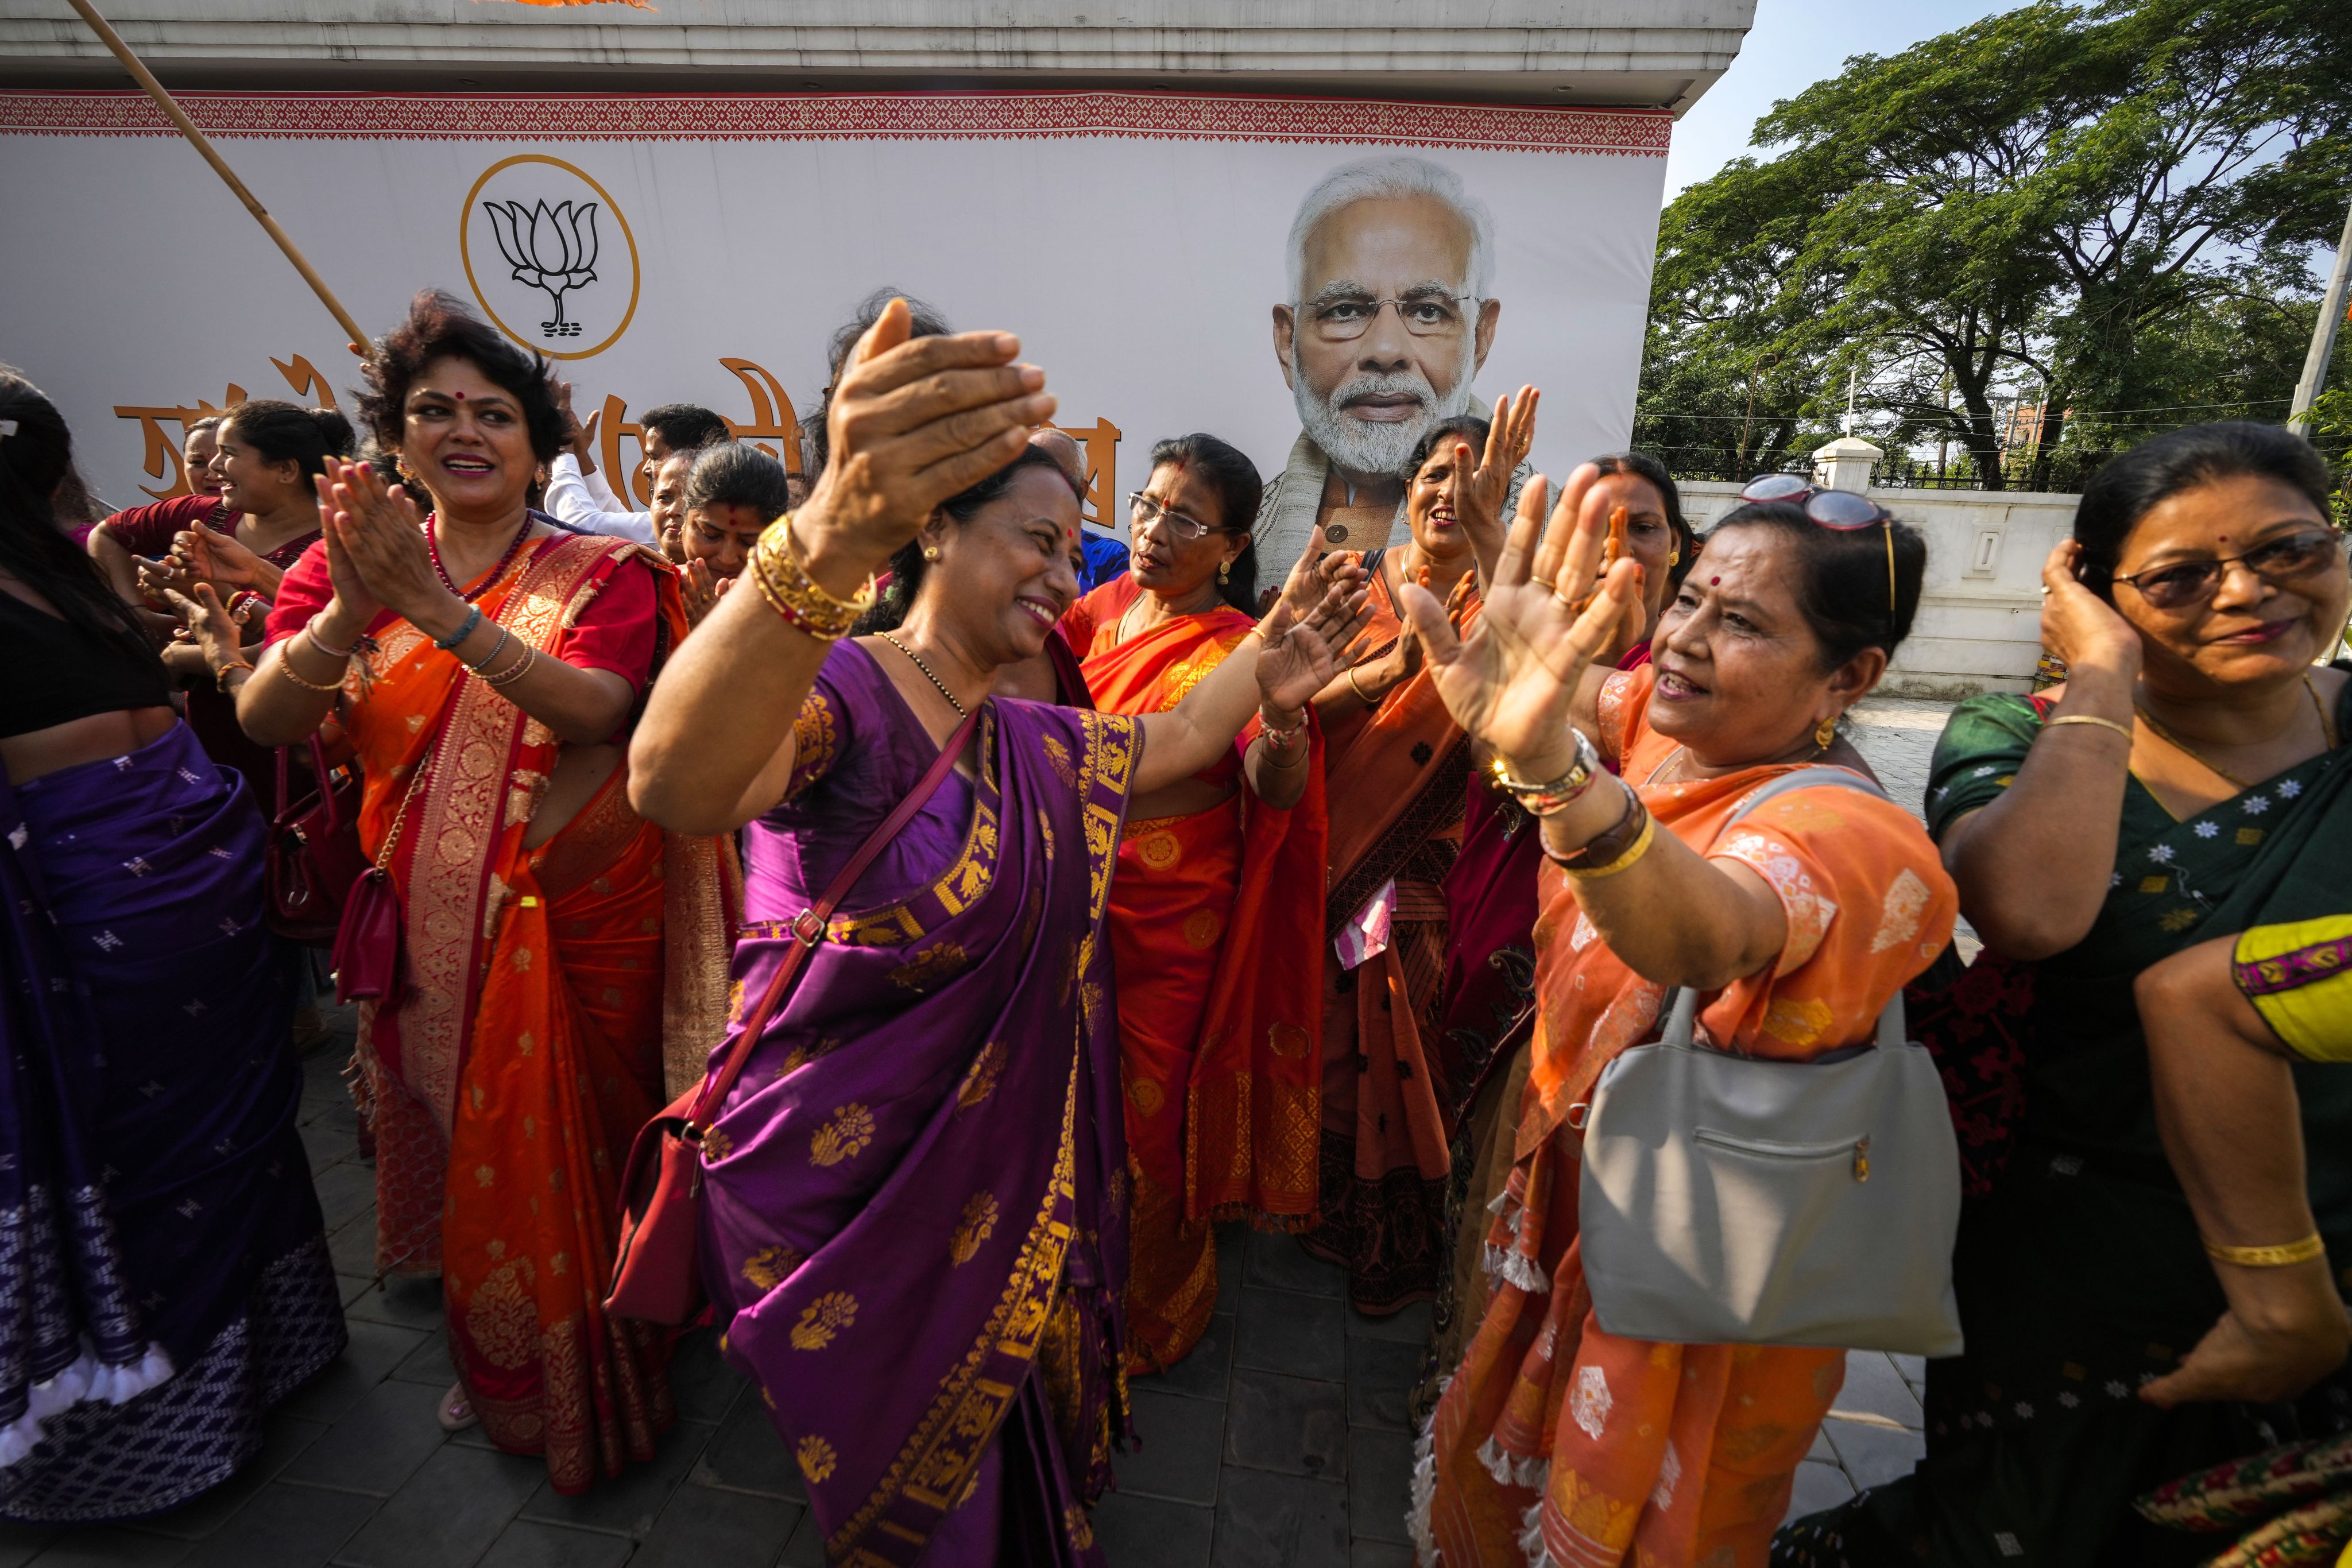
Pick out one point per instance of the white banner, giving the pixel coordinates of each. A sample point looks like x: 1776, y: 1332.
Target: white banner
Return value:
x: 703, y: 250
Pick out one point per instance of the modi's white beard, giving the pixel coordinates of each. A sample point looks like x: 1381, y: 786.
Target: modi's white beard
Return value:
x: 1369, y: 446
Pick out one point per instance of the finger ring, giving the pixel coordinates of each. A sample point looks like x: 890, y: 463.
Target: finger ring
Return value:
x: 1548, y: 583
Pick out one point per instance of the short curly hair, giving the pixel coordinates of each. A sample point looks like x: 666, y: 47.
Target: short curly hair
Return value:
x: 438, y: 327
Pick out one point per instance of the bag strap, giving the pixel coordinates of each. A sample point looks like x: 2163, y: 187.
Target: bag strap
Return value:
x: 1682, y: 1008
x: 808, y: 926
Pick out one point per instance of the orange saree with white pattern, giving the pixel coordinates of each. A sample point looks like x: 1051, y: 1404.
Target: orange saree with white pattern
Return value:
x: 1557, y: 1443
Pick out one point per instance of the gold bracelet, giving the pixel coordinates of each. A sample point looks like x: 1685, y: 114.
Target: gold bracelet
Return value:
x: 1367, y: 701
x: 1634, y: 852
x: 2294, y: 1252
x: 2123, y: 729
x: 513, y: 672
x: 784, y: 582
x: 285, y: 667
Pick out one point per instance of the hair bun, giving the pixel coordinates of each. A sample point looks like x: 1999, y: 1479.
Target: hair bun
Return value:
x: 335, y: 431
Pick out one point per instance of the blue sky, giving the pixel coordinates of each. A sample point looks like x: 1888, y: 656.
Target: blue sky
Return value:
x: 1794, y: 43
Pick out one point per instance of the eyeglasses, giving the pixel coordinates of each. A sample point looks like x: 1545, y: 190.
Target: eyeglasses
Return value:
x: 1830, y: 508
x: 2192, y: 583
x: 1148, y: 512
x: 1840, y: 509
x: 1425, y: 313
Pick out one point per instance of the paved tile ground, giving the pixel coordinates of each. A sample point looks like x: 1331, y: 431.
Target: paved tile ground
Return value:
x: 1282, y: 1442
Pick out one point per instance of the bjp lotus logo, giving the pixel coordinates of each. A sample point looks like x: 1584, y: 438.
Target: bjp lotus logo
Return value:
x: 554, y: 250
x: 550, y: 241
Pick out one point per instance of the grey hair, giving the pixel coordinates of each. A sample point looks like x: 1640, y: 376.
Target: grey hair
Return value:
x: 1393, y: 176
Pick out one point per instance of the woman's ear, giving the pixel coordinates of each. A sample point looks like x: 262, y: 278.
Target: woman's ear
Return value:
x: 1858, y: 676
x: 1236, y: 544
x: 933, y: 534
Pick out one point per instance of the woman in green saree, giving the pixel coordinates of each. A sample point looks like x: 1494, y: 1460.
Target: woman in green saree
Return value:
x: 2184, y: 784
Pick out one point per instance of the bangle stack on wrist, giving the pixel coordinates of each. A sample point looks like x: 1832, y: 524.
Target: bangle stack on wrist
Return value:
x: 342, y: 656
x: 1547, y: 800
x: 1283, y: 746
x: 785, y: 583
x: 1614, y: 849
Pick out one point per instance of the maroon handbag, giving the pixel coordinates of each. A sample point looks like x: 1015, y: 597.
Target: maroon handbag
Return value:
x: 314, y: 855
x: 656, y: 1274
x: 367, y: 938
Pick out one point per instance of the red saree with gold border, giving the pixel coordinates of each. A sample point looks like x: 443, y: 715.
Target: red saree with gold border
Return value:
x: 542, y: 989
x: 1213, y: 930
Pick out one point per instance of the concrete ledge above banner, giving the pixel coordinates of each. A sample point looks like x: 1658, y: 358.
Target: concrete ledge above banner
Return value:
x: 1660, y: 54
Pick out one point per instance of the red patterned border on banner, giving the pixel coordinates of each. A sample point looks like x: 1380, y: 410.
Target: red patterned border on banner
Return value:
x: 916, y: 117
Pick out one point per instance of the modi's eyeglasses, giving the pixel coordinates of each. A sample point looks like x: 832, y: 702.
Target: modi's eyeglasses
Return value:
x: 1840, y: 509
x: 1343, y: 316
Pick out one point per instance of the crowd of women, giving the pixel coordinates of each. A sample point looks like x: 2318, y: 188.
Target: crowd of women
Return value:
x: 1006, y: 937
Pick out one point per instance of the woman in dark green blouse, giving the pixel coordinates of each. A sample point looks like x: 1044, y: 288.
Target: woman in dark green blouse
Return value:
x: 2185, y: 783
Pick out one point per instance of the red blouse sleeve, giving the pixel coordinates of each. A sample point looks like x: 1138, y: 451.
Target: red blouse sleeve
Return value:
x: 302, y: 594
x: 147, y: 530
x: 616, y: 632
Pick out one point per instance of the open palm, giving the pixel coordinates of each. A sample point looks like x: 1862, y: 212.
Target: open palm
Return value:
x: 1509, y: 682
x: 1301, y: 654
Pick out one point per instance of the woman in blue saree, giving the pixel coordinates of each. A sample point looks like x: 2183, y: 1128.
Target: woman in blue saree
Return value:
x: 163, y: 1270
x: 915, y: 1209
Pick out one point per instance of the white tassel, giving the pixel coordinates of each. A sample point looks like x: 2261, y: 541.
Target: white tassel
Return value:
x: 1424, y: 1491
x: 1531, y: 1541
x: 1495, y: 1205
x: 1515, y: 1268
x: 121, y: 1385
x: 87, y: 1380
x: 1512, y: 1471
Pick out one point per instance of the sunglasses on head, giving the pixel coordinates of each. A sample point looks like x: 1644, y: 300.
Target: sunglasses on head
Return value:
x: 2192, y: 583
x: 1840, y: 509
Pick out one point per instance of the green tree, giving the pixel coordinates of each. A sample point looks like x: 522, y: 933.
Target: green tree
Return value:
x: 2064, y: 197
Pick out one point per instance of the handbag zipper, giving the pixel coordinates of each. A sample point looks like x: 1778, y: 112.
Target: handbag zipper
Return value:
x: 1857, y: 1148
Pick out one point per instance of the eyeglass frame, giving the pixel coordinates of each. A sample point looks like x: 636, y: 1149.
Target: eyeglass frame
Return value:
x: 1410, y: 296
x: 2219, y: 566
x: 1806, y: 495
x: 1137, y: 500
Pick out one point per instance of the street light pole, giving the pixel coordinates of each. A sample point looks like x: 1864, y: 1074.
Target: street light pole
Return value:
x: 2323, y: 332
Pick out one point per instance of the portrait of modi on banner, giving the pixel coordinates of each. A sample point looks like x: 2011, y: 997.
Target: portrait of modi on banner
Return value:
x: 1390, y: 313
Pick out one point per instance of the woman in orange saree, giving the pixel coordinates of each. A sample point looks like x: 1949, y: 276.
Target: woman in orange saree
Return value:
x: 1558, y: 1443
x: 558, y: 952
x: 1213, y: 918
x: 1393, y: 1080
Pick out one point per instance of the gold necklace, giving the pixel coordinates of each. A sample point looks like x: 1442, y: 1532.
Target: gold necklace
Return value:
x: 2326, y: 731
x: 934, y: 681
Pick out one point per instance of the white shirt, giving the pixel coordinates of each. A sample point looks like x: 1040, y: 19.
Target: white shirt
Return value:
x: 584, y: 501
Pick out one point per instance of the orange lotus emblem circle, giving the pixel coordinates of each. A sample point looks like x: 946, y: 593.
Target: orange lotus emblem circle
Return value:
x: 549, y: 256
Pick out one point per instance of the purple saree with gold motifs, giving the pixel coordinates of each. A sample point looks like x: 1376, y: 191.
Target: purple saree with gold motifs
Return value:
x: 916, y: 1213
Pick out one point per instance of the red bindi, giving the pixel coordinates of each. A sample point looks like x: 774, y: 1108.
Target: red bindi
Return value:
x: 1712, y: 580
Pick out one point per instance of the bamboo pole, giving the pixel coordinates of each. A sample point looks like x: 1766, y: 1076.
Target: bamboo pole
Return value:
x: 360, y: 342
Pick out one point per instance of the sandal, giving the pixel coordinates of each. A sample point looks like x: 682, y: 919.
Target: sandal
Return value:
x: 457, y: 1411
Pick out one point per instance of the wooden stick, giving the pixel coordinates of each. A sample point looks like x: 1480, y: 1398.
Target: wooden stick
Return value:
x: 361, y: 343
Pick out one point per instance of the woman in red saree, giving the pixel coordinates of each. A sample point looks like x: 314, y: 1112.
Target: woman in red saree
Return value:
x: 1397, y: 768
x: 558, y: 951
x: 1215, y: 919
x: 1557, y: 1443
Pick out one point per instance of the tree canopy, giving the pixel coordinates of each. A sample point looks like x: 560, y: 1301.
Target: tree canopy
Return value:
x: 2111, y: 208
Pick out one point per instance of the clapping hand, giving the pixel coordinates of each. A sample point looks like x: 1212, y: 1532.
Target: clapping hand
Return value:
x: 1476, y: 491
x: 217, y: 630
x: 1509, y: 682
x: 376, y: 553
x: 913, y: 423
x: 701, y: 591
x: 216, y: 557
x: 1301, y: 654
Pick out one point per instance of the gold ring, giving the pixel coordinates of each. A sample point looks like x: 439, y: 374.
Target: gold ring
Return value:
x: 1548, y: 583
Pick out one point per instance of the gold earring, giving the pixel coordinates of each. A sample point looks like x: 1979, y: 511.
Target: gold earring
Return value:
x: 1825, y: 734
x: 930, y: 552
x: 1224, y: 571
x: 1674, y: 556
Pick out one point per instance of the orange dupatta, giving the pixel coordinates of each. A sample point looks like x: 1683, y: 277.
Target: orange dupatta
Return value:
x: 528, y: 1042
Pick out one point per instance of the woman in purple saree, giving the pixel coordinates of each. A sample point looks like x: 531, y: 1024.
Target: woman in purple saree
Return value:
x: 915, y: 1216
x: 163, y: 1271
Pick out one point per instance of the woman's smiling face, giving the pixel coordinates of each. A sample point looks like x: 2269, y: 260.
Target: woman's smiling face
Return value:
x: 1005, y: 578
x: 465, y: 438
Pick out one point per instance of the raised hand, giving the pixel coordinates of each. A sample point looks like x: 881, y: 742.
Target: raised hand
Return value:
x: 699, y: 590
x: 2080, y: 627
x: 380, y: 537
x: 1300, y: 657
x: 1478, y: 489
x: 912, y: 423
x: 1509, y: 682
x: 216, y: 557
x: 1313, y: 576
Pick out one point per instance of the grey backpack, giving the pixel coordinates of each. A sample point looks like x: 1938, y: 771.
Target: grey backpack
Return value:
x: 1731, y: 1199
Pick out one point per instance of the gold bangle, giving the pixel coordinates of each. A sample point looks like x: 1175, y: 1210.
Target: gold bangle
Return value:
x: 1634, y: 852
x: 785, y: 583
x: 285, y: 667
x: 2123, y: 729
x: 513, y: 672
x: 2294, y: 1252
x: 1367, y: 701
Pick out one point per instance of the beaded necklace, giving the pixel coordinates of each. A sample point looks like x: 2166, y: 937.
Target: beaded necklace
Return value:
x: 433, y: 548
